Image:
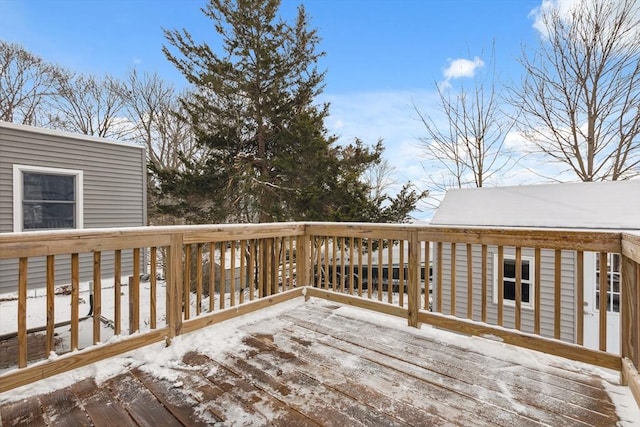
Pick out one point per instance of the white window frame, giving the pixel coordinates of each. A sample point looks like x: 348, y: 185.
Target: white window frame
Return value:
x: 532, y: 282
x: 18, y: 193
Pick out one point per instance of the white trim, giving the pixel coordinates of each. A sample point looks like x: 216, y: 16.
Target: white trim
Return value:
x: 592, y: 313
x: 532, y: 283
x: 18, y: 192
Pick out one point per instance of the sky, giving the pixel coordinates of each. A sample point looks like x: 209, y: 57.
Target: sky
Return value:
x: 383, y: 57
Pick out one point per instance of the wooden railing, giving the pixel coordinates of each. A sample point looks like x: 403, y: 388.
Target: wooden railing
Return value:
x: 250, y: 270
x: 446, y: 277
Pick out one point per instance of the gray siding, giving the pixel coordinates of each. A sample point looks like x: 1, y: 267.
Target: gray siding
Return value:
x: 568, y: 280
x: 114, y: 190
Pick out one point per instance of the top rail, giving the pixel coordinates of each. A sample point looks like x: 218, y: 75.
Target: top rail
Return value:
x: 43, y: 243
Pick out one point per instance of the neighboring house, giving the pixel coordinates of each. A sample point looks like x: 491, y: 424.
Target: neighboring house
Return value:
x: 594, y: 205
x: 51, y: 180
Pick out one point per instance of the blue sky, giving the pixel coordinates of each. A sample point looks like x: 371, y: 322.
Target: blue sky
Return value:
x: 383, y: 56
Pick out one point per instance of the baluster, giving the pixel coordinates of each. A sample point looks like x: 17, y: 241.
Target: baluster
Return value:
x: 198, y: 278
x: 232, y: 278
x: 518, y: 290
x: 51, y: 298
x: 75, y: 300
x: 557, y: 286
x: 538, y: 291
x: 117, y: 291
x: 427, y: 274
x: 97, y: 296
x: 485, y: 275
x: 153, y: 287
x: 500, y: 285
x: 453, y: 279
x: 469, y: 282
x: 22, y: 312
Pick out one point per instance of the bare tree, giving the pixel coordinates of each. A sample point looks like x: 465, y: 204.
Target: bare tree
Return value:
x: 579, y: 99
x: 91, y: 106
x: 469, y: 143
x: 26, y: 84
x: 379, y: 177
x: 153, y: 108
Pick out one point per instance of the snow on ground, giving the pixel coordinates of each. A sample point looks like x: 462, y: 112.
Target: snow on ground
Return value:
x: 626, y: 406
x: 157, y: 359
x: 160, y: 360
x: 37, y: 305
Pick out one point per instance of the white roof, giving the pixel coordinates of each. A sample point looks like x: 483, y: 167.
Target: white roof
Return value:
x: 66, y: 134
x: 601, y: 205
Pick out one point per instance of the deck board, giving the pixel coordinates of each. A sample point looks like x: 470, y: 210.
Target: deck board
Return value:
x: 319, y: 365
x: 182, y: 397
x: 249, y: 394
x: 100, y: 406
x: 140, y: 403
x: 63, y: 408
x: 475, y: 375
x: 24, y: 412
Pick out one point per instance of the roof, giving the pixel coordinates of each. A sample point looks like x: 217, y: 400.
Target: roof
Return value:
x: 66, y: 134
x: 613, y: 205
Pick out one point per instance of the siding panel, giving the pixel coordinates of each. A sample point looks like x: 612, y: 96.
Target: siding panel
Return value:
x: 114, y: 181
x: 567, y: 331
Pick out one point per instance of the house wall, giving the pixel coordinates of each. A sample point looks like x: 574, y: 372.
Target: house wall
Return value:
x: 114, y: 193
x: 568, y: 280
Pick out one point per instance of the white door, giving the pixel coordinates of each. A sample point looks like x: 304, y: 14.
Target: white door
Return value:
x: 592, y: 271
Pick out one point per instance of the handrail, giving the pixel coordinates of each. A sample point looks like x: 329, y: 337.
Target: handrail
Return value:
x: 436, y: 275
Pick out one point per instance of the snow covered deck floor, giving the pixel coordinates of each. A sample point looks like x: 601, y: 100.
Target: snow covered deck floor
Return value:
x: 317, y: 363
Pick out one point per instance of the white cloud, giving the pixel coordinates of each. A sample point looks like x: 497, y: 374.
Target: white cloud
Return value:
x: 565, y: 8
x: 462, y: 67
x: 516, y: 142
x: 459, y: 68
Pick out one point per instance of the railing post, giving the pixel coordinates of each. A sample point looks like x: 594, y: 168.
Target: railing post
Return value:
x: 629, y: 313
x: 174, y: 286
x: 413, y: 279
x: 303, y: 263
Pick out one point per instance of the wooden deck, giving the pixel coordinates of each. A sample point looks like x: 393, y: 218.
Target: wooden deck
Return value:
x: 319, y: 364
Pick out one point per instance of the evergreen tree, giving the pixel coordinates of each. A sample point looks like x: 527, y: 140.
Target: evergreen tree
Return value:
x: 269, y: 157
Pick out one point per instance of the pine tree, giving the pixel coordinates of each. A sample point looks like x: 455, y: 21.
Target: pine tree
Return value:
x: 269, y: 156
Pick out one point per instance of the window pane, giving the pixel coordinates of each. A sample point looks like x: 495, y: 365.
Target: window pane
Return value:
x: 615, y: 282
x: 526, y: 293
x: 615, y: 261
x: 39, y: 186
x: 510, y: 268
x: 509, y: 290
x: 525, y: 270
x: 48, y: 215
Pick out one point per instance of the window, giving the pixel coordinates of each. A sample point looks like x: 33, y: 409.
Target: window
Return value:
x: 613, y: 282
x: 509, y: 280
x: 46, y: 198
